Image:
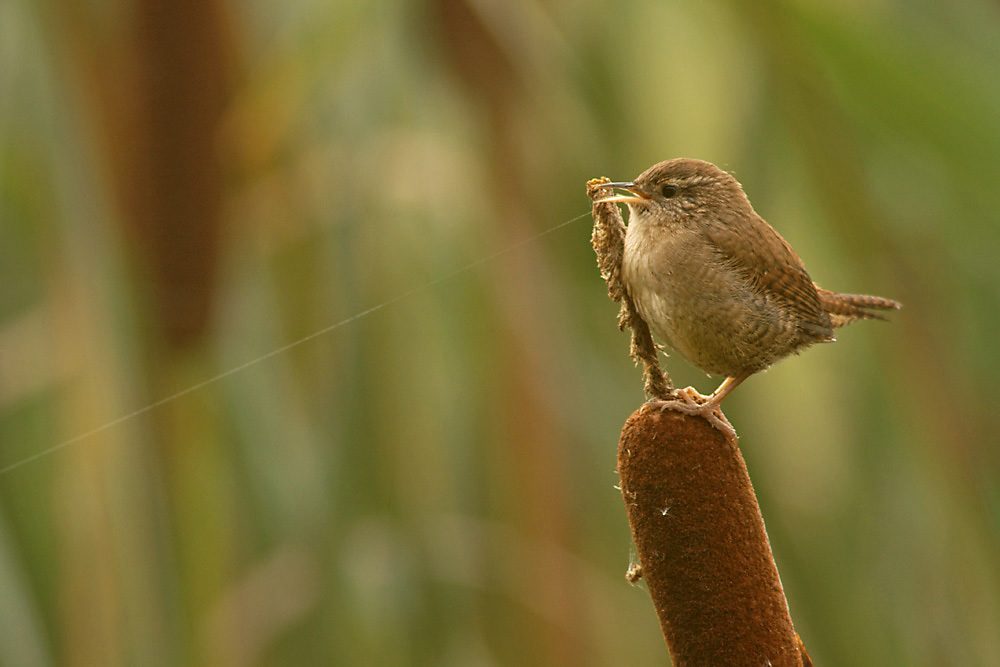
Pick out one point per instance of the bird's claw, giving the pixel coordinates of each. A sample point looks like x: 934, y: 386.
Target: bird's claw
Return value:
x: 690, y: 402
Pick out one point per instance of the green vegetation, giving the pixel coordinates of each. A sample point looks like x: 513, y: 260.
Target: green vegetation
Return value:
x: 186, y: 189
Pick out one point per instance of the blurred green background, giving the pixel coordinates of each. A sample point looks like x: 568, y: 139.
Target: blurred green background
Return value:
x: 188, y: 185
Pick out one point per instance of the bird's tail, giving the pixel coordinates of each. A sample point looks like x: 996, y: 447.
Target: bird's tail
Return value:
x: 846, y: 308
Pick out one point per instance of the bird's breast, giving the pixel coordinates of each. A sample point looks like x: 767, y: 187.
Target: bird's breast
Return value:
x: 700, y: 305
x: 662, y: 270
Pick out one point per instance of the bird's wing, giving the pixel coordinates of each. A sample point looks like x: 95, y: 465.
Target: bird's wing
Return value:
x: 773, y: 267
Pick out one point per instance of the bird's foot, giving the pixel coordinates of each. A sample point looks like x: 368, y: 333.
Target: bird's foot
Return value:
x: 690, y: 402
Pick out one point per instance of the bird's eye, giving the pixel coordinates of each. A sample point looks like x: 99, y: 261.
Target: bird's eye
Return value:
x: 668, y: 191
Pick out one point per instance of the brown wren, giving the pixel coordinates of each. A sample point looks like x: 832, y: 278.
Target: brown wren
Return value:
x: 718, y: 284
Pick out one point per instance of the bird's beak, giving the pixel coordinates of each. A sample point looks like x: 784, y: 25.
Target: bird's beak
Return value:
x: 637, y: 196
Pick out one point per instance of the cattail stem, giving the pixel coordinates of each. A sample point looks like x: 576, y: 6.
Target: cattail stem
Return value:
x: 701, y: 544
x: 608, y: 240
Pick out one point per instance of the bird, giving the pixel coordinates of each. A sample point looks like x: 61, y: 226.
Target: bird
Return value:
x: 717, y: 284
